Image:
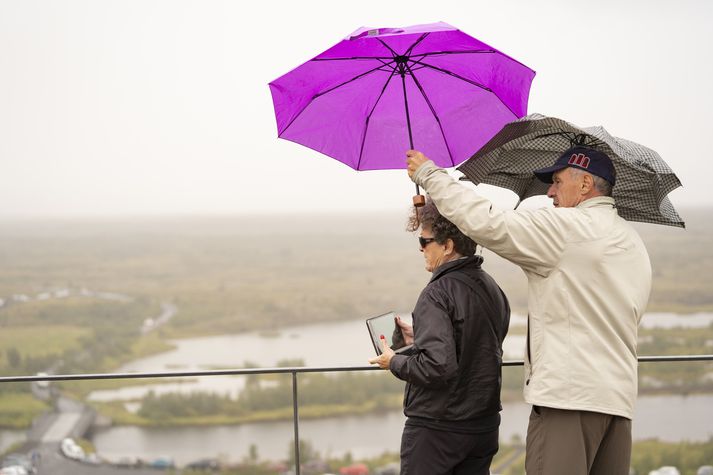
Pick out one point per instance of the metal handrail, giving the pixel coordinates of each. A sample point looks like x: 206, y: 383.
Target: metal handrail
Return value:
x: 292, y: 370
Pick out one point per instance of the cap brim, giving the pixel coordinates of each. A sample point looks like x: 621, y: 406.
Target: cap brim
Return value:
x: 545, y: 174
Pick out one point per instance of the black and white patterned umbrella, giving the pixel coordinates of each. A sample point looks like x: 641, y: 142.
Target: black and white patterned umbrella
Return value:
x: 643, y: 179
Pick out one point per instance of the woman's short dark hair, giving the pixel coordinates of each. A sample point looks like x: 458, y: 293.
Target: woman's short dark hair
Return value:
x: 428, y: 217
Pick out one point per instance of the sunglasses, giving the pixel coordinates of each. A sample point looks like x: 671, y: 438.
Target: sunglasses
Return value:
x: 423, y: 242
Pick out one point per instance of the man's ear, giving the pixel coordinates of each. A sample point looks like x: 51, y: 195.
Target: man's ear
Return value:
x: 587, y: 183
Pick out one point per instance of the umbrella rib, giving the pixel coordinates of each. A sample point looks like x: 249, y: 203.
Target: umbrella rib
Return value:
x: 321, y: 93
x: 474, y: 51
x: 433, y: 111
x: 368, y: 119
x: 421, y: 38
x: 451, y: 73
x: 358, y: 76
x: 469, y: 81
x: 467, y: 51
x: 433, y: 53
x: 423, y: 55
x: 585, y: 139
x: 387, y: 47
x: 407, y: 53
x: 352, y: 58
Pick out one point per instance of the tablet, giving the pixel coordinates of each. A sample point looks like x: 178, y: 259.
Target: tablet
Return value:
x: 385, y: 324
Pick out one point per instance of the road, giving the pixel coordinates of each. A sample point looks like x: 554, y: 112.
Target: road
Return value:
x: 52, y: 462
x: 69, y: 418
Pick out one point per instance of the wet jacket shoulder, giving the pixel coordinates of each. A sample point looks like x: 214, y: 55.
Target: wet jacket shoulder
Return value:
x: 460, y: 321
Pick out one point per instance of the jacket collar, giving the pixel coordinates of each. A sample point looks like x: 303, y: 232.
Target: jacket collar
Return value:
x: 474, y: 261
x: 597, y: 201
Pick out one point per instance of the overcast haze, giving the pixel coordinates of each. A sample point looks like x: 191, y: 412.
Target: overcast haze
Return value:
x: 162, y: 107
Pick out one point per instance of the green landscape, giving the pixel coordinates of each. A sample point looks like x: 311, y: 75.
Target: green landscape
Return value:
x: 75, y: 294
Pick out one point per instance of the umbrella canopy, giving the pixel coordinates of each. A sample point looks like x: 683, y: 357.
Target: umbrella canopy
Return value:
x: 643, y: 179
x: 380, y: 92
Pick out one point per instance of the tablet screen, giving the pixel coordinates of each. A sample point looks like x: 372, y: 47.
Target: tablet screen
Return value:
x: 385, y: 325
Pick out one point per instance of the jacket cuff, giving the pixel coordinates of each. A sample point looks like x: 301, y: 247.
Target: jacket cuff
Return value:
x: 422, y: 172
x: 396, y: 365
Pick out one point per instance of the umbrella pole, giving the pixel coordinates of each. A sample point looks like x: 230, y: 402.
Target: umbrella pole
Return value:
x: 418, y: 200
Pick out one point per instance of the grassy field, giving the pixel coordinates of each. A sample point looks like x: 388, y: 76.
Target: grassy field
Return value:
x: 34, y: 341
x: 234, y: 273
x: 19, y: 409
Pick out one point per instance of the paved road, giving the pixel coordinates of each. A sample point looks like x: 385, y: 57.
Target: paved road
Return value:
x: 47, y: 432
x: 54, y: 463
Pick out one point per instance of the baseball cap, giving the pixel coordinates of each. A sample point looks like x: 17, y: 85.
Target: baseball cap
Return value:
x: 587, y: 159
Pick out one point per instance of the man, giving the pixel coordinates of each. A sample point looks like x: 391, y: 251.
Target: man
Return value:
x: 589, y: 279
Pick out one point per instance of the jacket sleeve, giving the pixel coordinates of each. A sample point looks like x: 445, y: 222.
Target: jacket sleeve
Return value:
x: 532, y: 239
x: 434, y: 361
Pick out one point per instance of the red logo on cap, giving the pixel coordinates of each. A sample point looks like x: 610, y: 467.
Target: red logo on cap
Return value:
x: 579, y: 159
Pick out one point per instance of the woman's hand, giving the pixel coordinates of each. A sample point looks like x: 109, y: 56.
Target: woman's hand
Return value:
x: 384, y: 359
x: 406, y: 330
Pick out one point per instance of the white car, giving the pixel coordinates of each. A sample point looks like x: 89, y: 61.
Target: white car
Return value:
x: 13, y: 470
x: 71, y: 450
x: 42, y: 384
x: 18, y: 460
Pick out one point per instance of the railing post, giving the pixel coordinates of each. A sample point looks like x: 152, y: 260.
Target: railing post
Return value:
x: 295, y: 419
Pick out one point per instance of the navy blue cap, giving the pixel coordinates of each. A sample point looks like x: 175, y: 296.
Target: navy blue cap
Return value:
x: 587, y: 159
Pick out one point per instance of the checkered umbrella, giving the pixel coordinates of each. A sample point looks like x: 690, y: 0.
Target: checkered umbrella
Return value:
x: 643, y: 179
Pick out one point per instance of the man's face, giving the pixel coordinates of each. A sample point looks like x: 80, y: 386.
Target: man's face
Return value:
x: 566, y: 189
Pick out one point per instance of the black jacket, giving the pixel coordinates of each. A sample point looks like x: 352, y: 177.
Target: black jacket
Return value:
x: 454, y: 370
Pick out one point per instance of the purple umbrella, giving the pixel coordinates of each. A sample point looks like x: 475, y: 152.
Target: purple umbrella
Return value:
x: 380, y: 92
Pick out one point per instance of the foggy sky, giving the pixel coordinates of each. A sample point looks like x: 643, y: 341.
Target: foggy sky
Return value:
x: 162, y: 107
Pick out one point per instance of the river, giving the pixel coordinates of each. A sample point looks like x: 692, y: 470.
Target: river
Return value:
x: 670, y: 417
x: 326, y: 344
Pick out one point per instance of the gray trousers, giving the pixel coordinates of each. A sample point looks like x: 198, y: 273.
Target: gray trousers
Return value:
x: 564, y: 442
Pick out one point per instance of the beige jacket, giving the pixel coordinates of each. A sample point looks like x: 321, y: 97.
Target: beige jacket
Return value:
x: 589, y: 279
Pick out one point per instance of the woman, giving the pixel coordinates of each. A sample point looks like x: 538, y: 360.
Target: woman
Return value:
x: 453, y: 370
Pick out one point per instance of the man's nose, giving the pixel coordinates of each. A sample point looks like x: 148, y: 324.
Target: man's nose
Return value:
x: 551, y: 191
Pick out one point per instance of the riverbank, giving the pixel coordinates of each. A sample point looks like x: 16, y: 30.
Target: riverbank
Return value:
x: 667, y: 418
x: 119, y: 416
